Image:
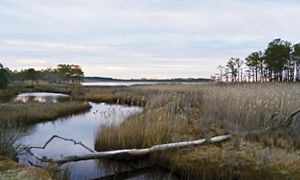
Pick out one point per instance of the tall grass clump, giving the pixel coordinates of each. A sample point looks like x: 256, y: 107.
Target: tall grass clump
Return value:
x: 245, y: 107
x: 166, y: 118
x: 7, y: 94
x: 9, y: 134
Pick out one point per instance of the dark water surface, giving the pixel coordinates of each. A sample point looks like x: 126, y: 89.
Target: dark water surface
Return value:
x: 83, y: 127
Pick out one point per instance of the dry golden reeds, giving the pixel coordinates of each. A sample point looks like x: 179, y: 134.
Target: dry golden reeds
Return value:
x: 184, y: 112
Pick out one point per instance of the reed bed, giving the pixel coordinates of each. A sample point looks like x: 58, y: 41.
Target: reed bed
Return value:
x: 9, y: 134
x: 186, y: 112
x: 7, y: 94
x: 248, y: 106
x: 31, y: 113
x: 117, y: 95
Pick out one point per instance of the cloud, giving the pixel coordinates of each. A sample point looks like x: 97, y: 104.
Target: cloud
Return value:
x: 56, y: 46
x: 166, y: 37
x: 25, y: 62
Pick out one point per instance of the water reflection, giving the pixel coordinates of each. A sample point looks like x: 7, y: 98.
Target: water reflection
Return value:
x: 41, y: 97
x: 81, y: 127
x: 132, y: 83
x: 134, y: 169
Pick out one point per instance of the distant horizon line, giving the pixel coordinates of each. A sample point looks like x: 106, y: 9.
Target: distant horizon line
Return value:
x: 142, y: 79
x: 110, y: 77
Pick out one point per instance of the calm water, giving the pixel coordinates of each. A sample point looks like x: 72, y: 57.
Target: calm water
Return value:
x: 116, y: 83
x: 124, y: 83
x: 82, y: 128
x: 41, y: 97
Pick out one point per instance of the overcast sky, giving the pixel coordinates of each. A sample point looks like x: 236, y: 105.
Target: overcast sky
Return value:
x: 141, y: 38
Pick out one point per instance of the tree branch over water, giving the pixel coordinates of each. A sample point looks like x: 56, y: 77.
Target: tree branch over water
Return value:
x: 46, y: 159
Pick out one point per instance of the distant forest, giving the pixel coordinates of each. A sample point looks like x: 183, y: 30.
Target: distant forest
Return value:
x: 67, y: 73
x: 63, y: 73
x: 279, y: 62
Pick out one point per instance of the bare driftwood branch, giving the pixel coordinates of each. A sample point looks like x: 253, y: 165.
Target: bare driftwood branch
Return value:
x: 290, y: 119
x: 47, y: 159
x: 65, y: 139
x: 271, y: 128
x: 162, y: 147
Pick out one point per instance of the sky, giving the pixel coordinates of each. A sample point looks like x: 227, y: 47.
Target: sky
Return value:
x: 141, y: 38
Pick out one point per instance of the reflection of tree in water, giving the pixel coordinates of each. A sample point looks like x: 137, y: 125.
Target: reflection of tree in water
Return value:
x: 23, y: 132
x: 42, y: 99
x: 138, y: 168
x: 99, y: 114
x: 111, y: 166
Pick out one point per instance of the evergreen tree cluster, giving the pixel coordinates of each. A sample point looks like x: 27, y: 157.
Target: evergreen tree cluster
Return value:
x: 279, y: 62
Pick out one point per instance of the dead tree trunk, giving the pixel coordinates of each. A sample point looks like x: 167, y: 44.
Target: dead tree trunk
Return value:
x: 127, y: 152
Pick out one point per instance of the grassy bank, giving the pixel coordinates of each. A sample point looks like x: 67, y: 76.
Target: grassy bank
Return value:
x: 120, y: 95
x: 31, y: 113
x: 179, y: 113
x: 10, y: 170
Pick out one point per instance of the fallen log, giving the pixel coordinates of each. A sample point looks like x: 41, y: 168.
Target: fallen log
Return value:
x: 131, y: 152
x: 162, y: 147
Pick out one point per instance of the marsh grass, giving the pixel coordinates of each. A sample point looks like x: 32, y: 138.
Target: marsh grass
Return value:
x: 248, y: 106
x: 31, y: 113
x: 186, y: 112
x: 7, y: 94
x: 9, y: 134
x: 115, y: 95
x: 173, y: 113
x: 249, y: 161
x: 55, y: 88
x: 163, y: 120
x: 57, y: 172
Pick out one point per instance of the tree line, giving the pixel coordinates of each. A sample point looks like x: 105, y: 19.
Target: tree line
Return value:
x: 62, y: 73
x: 279, y: 62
